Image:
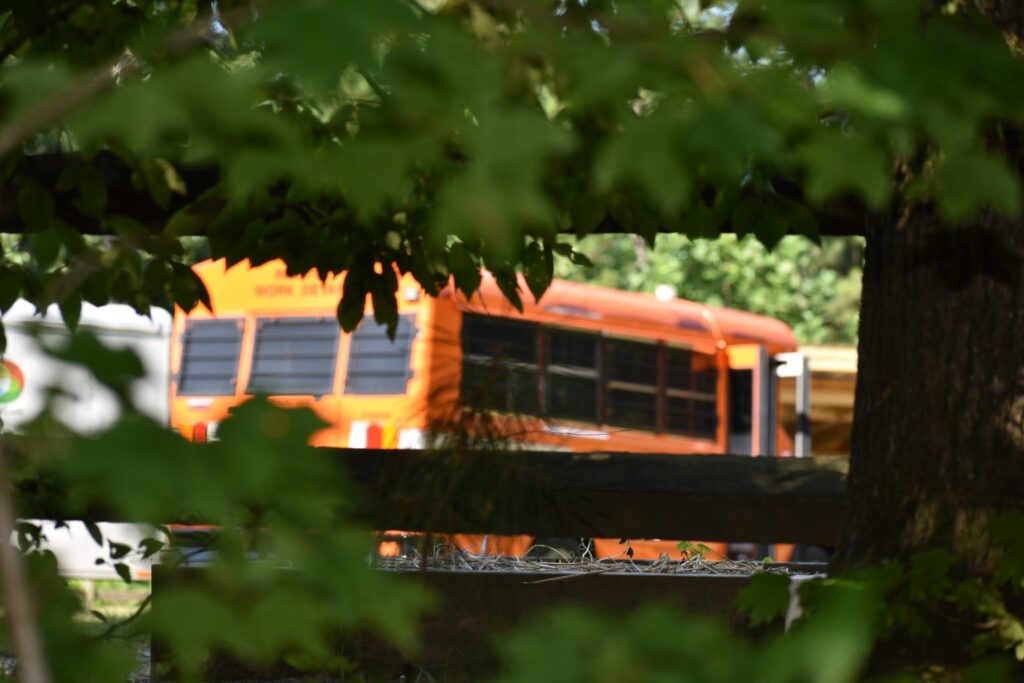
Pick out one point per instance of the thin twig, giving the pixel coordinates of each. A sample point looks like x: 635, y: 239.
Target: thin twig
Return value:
x: 92, y: 84
x: 377, y: 88
x: 17, y: 595
x: 110, y: 630
x: 563, y: 577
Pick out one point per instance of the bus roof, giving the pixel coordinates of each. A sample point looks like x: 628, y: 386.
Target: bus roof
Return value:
x: 267, y: 286
x: 643, y: 312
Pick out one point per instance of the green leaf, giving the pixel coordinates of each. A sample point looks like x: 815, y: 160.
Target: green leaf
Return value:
x: 94, y: 531
x: 320, y: 41
x: 119, y: 550
x: 68, y: 177
x: 421, y: 268
x: 71, y: 311
x: 586, y: 213
x: 45, y: 247
x: 383, y: 290
x: 840, y: 162
x: 353, y: 302
x: 1008, y: 535
x: 374, y: 170
x: 763, y: 217
x: 746, y: 215
x: 116, y: 369
x: 538, y: 268
x: 509, y: 286
x: 575, y: 257
x: 766, y: 597
x: 150, y: 547
x: 799, y: 219
x: 578, y: 258
x: 35, y: 206
x: 849, y: 90
x: 967, y: 181
x: 464, y: 269
x: 772, y: 226
x: 123, y: 571
x: 92, y: 193
x: 129, y: 229
x: 646, y: 155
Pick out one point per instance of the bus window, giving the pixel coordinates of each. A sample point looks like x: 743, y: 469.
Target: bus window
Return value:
x: 294, y: 356
x: 691, y: 393
x: 499, y: 364
x: 209, y: 359
x: 376, y: 364
x: 631, y: 398
x: 572, y: 372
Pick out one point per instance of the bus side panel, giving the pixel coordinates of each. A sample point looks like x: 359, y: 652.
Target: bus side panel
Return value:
x: 442, y: 405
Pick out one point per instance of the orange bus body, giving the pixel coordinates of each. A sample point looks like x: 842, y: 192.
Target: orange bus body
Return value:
x: 246, y: 300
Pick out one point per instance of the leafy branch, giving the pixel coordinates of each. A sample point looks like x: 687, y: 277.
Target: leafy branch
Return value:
x: 100, y: 79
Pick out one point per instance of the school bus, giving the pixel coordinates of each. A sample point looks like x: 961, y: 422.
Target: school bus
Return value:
x: 583, y: 369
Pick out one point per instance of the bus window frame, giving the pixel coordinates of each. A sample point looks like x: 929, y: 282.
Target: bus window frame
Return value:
x: 410, y: 370
x: 254, y: 329
x: 602, y: 335
x: 179, y: 344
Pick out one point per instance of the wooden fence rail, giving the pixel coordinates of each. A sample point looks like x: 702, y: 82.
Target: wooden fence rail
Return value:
x: 544, y: 494
x: 723, y: 498
x: 557, y: 494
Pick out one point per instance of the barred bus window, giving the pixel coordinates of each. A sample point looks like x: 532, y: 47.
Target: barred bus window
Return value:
x: 631, y: 384
x: 499, y: 364
x: 572, y: 374
x: 510, y: 340
x: 376, y: 364
x: 294, y: 356
x: 209, y: 359
x: 691, y: 387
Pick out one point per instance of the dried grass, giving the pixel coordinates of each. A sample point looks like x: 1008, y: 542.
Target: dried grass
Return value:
x: 448, y: 558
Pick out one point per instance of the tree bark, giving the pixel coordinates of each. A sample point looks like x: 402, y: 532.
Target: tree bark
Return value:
x: 938, y: 435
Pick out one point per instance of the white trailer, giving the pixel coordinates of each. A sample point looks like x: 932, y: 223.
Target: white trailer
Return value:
x: 28, y: 373
x: 87, y: 406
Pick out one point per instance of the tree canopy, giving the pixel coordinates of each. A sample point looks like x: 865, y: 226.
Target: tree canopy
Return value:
x: 440, y: 137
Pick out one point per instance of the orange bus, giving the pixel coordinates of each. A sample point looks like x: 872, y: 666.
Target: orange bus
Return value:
x: 584, y: 369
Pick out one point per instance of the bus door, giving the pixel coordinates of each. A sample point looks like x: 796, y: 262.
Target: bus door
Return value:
x: 751, y: 420
x: 752, y: 415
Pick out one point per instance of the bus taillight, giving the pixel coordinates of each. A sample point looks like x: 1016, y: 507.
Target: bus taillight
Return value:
x: 381, y: 436
x: 384, y: 435
x: 204, y: 432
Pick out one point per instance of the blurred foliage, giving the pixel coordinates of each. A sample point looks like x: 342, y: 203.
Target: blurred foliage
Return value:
x: 843, y: 631
x: 442, y: 137
x: 815, y: 289
x: 286, y: 572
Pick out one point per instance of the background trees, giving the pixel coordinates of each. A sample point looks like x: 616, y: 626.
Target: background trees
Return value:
x: 815, y: 289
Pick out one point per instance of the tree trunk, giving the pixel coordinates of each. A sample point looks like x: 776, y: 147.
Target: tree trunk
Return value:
x: 938, y: 435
